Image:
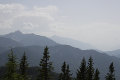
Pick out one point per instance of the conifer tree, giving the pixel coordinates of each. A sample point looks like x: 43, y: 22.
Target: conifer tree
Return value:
x: 81, y: 73
x: 62, y: 75
x: 111, y: 74
x: 68, y: 74
x: 65, y: 74
x: 23, y: 67
x: 90, y: 69
x: 11, y: 66
x: 96, y: 75
x: 45, y: 66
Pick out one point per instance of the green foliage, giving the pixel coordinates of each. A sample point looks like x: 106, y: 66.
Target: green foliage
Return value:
x: 45, y: 66
x: 45, y: 71
x: 65, y: 75
x: 23, y: 67
x: 81, y: 73
x: 14, y: 76
x: 111, y: 74
x: 90, y: 69
x: 11, y: 67
x: 96, y: 75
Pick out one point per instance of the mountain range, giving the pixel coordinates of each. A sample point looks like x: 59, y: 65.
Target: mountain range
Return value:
x: 72, y: 42
x: 34, y: 45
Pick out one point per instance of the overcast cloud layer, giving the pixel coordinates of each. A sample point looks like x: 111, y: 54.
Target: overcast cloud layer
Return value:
x: 94, y: 22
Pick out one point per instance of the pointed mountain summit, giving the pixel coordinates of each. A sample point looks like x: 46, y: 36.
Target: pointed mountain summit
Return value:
x: 15, y: 33
x: 30, y: 39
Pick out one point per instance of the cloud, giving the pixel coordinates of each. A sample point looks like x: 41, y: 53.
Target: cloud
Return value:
x: 102, y: 33
x: 19, y: 17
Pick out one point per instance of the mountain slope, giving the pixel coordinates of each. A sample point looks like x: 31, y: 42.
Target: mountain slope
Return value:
x: 72, y: 42
x: 8, y: 43
x: 62, y: 53
x: 30, y: 39
x: 115, y: 53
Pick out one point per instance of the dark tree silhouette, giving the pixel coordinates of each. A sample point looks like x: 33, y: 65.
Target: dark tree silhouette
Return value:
x: 90, y: 69
x: 81, y: 73
x: 45, y: 66
x: 65, y: 74
x: 24, y: 66
x: 96, y: 75
x: 111, y: 74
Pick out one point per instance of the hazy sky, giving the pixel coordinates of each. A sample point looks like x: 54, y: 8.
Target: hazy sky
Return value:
x: 92, y: 21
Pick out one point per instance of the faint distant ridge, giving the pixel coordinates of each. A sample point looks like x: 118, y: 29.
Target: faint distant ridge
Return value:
x: 115, y: 53
x: 30, y: 39
x: 72, y: 42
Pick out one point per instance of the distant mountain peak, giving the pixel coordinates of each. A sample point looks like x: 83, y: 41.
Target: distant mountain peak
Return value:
x: 30, y: 39
x: 17, y: 32
x: 54, y: 36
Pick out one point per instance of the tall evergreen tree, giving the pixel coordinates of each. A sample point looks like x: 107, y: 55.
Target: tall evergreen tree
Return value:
x: 90, y: 69
x: 23, y: 67
x: 111, y: 74
x: 65, y: 74
x: 96, y: 75
x: 68, y: 74
x: 45, y: 66
x: 81, y: 73
x: 11, y: 66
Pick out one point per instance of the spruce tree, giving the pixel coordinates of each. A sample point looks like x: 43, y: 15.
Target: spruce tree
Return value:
x: 90, y: 69
x: 11, y: 67
x: 111, y: 74
x: 81, y: 73
x: 23, y: 67
x: 96, y: 75
x: 45, y: 66
x: 68, y: 74
x: 11, y: 72
x: 65, y: 74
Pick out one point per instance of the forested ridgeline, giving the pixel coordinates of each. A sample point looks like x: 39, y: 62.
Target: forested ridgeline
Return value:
x: 20, y: 70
